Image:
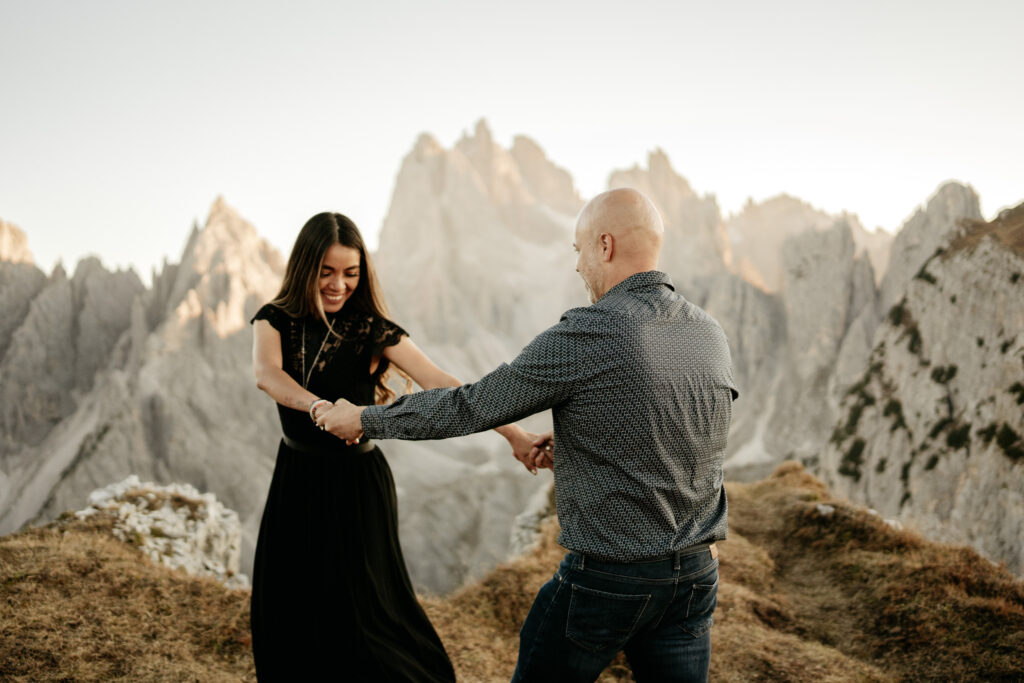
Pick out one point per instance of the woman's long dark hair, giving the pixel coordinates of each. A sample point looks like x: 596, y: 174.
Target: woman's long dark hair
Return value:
x: 299, y: 294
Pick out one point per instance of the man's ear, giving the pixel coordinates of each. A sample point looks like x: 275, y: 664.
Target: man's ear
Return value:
x: 607, y: 246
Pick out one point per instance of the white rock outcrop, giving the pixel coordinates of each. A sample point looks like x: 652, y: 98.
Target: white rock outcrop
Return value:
x: 174, y: 525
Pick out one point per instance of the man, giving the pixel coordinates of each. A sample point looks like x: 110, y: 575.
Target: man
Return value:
x: 640, y: 388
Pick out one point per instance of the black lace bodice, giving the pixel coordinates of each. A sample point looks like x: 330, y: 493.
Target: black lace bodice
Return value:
x: 330, y: 365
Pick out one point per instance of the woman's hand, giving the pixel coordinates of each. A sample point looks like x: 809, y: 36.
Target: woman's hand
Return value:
x: 523, y: 443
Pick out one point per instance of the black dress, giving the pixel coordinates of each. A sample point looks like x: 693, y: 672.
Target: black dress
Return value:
x: 331, y: 596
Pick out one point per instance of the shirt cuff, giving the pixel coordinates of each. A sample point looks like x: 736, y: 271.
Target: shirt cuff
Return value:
x: 372, y: 422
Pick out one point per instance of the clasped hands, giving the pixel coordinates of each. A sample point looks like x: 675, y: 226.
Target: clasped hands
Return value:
x: 343, y: 420
x: 535, y: 451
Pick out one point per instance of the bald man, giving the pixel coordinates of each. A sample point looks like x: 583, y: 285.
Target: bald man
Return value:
x: 640, y: 388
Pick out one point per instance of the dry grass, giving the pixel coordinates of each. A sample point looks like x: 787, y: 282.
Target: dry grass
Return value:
x: 1007, y: 229
x: 77, y: 604
x: 803, y: 598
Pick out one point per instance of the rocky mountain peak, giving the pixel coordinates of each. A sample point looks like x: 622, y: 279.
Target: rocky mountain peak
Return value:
x: 696, y: 244
x: 224, y: 264
x: 922, y: 234
x: 14, y: 244
x: 549, y: 184
x: 471, y: 229
x: 426, y: 145
x: 757, y: 233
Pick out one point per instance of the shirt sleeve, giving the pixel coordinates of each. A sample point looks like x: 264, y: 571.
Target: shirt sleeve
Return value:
x: 277, y: 318
x: 540, y: 377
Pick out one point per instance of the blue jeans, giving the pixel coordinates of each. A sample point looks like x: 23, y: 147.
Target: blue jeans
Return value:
x: 659, y: 612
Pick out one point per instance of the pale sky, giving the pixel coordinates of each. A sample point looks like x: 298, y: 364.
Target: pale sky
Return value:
x: 120, y: 122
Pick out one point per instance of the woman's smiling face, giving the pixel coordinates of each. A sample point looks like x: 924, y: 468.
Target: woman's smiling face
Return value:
x: 339, y: 277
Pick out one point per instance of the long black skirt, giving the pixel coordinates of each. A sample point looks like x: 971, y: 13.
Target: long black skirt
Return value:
x: 330, y: 591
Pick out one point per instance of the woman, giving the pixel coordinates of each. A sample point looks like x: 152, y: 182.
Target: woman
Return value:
x: 331, y: 593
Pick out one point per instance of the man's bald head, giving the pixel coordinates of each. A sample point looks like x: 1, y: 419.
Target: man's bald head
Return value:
x: 618, y: 234
x: 626, y: 214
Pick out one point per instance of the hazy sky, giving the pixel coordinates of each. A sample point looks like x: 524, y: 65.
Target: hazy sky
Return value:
x: 120, y: 122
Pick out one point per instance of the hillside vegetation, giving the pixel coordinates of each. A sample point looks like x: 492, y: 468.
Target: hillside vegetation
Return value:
x: 812, y: 589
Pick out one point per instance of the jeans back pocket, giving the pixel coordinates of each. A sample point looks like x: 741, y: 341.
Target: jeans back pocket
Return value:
x: 700, y: 608
x: 601, y: 621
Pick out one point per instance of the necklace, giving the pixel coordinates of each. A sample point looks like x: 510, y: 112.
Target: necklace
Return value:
x: 305, y: 375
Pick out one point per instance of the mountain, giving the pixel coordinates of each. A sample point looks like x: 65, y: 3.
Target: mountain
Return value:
x: 931, y: 432
x: 106, y: 379
x: 103, y: 377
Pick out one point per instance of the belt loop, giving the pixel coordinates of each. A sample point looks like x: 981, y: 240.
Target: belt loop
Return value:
x: 581, y: 561
x: 675, y: 561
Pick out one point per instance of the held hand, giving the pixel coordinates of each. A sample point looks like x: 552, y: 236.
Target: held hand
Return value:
x: 522, y: 443
x: 342, y: 420
x: 542, y: 450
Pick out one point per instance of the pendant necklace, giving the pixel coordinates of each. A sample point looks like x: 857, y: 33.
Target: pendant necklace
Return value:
x: 305, y: 375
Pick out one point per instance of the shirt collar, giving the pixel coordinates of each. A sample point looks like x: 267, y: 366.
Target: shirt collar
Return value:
x: 644, y: 280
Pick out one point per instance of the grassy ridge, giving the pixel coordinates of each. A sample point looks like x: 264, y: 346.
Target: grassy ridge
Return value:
x: 803, y: 597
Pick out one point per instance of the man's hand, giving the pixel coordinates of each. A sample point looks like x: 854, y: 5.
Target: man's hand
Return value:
x: 343, y: 420
x: 542, y: 450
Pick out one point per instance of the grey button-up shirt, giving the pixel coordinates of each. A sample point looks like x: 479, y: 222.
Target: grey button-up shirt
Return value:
x: 640, y: 387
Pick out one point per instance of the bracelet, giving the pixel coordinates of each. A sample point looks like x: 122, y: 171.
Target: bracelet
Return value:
x: 312, y: 407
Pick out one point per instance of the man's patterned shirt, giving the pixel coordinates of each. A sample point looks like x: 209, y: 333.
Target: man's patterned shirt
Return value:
x: 640, y: 387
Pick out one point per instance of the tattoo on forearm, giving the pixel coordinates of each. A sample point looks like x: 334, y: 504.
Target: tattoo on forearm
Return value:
x: 299, y: 404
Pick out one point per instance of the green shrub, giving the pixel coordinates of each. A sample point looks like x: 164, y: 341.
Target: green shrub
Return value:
x: 1018, y: 390
x: 960, y: 437
x: 852, y: 460
x: 1010, y: 442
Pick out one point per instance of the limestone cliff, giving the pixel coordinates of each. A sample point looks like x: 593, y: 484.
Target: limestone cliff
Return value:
x: 931, y: 433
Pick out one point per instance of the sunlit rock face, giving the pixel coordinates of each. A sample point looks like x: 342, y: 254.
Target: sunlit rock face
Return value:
x: 758, y: 232
x: 14, y: 244
x: 696, y: 244
x: 931, y: 432
x: 476, y: 251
